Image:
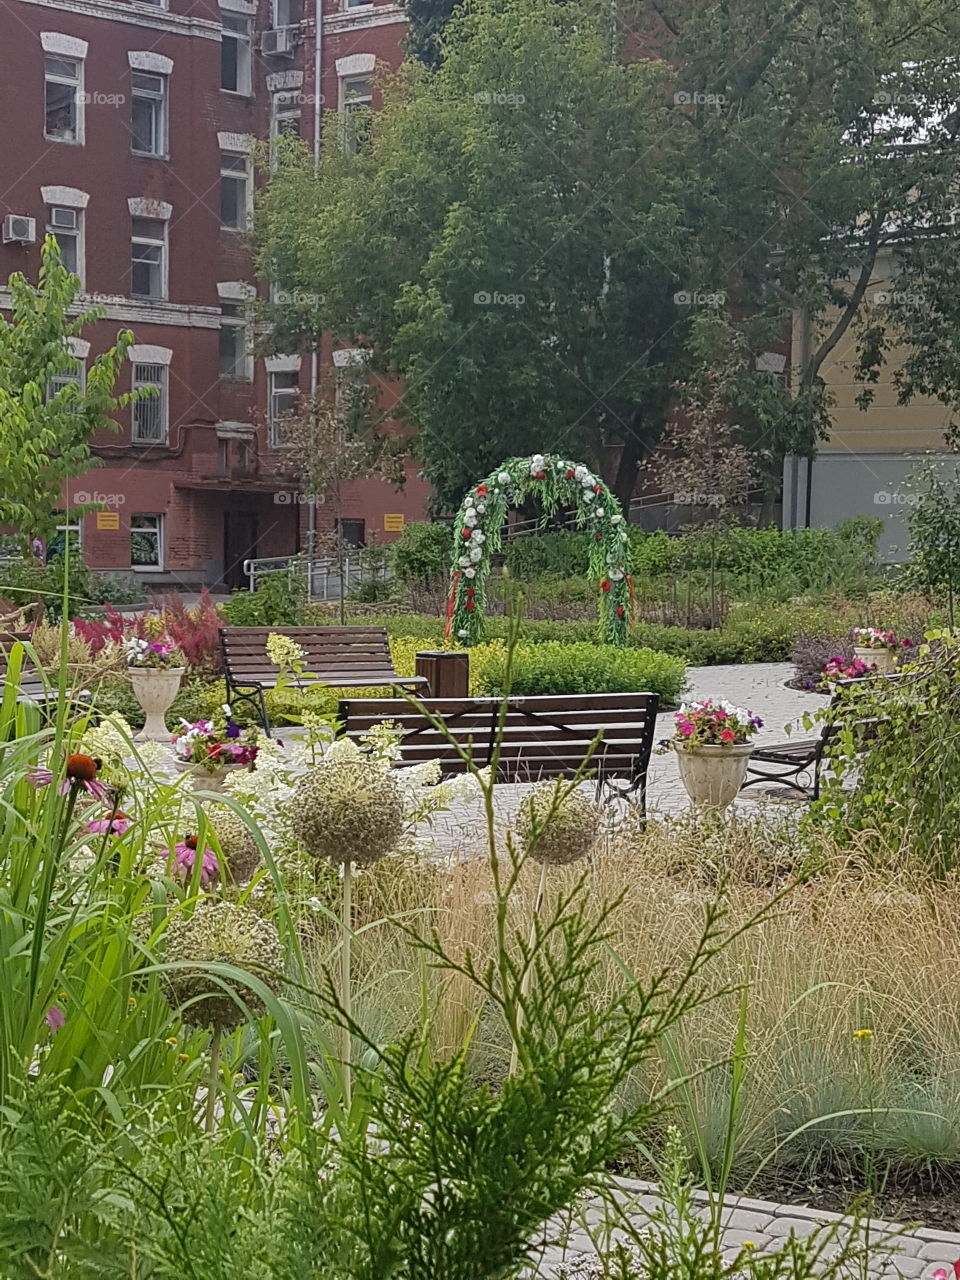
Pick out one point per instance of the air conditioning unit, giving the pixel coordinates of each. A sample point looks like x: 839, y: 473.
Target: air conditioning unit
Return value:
x: 279, y: 43
x: 19, y: 230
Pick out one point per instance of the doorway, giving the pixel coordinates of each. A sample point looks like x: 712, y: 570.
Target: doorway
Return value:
x: 239, y: 544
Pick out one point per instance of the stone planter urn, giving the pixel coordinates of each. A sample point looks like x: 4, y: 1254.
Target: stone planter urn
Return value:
x: 712, y: 775
x: 155, y: 689
x: 204, y: 779
x: 885, y: 660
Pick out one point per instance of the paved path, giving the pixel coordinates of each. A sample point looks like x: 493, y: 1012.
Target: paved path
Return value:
x: 913, y: 1255
x: 760, y: 687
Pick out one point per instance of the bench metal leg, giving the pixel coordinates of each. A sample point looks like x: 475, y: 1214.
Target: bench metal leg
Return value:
x: 255, y: 696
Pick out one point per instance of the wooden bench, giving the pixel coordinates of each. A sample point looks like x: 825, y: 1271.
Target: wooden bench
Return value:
x: 803, y: 758
x: 342, y: 657
x: 541, y: 737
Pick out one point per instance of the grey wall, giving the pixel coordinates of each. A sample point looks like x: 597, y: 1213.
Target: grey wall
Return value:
x: 848, y: 484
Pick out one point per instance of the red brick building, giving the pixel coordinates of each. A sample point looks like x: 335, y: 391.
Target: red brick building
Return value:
x: 129, y: 128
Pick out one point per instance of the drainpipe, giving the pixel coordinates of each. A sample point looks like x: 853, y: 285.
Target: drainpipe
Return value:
x: 314, y: 358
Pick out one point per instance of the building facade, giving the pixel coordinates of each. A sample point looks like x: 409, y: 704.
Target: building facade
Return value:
x: 129, y: 134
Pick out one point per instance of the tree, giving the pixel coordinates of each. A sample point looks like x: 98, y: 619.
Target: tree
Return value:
x: 330, y: 442
x: 534, y: 227
x: 45, y: 437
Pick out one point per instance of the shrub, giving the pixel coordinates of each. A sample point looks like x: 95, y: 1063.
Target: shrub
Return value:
x: 195, y: 630
x: 421, y: 555
x: 25, y: 583
x: 279, y: 601
x: 576, y: 668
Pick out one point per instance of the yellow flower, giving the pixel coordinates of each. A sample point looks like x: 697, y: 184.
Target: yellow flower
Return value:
x: 131, y: 1002
x: 172, y: 1041
x: 183, y: 1057
x: 864, y: 1033
x: 749, y: 1244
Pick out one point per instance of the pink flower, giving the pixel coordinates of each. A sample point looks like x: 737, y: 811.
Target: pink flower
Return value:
x: 727, y: 735
x: 81, y: 772
x: 55, y: 1018
x: 185, y: 853
x: 720, y: 714
x: 112, y: 826
x: 687, y: 728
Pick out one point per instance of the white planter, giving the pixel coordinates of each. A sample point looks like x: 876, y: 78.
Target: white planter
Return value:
x: 155, y: 689
x: 712, y: 775
x: 885, y: 660
x: 203, y: 779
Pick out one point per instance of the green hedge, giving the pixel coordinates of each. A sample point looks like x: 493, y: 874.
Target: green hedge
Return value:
x: 577, y: 668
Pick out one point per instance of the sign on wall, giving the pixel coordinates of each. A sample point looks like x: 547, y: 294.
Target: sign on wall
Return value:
x: 393, y: 524
x: 108, y: 519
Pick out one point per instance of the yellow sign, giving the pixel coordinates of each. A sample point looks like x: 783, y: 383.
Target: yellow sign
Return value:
x: 108, y: 519
x: 393, y: 524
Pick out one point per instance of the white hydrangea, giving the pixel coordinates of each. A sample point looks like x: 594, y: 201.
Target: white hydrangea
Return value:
x: 481, y: 507
x: 463, y: 561
x: 475, y: 554
x: 478, y: 537
x: 580, y: 471
x: 470, y: 515
x: 615, y: 519
x: 599, y: 511
x: 588, y: 495
x: 470, y: 573
x: 504, y: 477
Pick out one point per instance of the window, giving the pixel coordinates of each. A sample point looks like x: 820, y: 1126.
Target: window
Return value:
x: 148, y: 120
x: 148, y: 258
x: 286, y: 13
x: 146, y: 542
x: 74, y: 375
x: 148, y: 423
x: 66, y: 227
x: 235, y: 54
x: 284, y: 389
x: 353, y: 532
x: 285, y: 118
x: 356, y: 97
x: 63, y: 81
x: 234, y: 190
x: 233, y: 342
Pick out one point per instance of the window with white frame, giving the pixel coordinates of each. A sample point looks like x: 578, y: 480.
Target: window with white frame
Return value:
x: 234, y: 343
x: 149, y: 415
x: 148, y: 258
x: 148, y: 113
x: 63, y: 98
x: 285, y: 116
x: 154, y: 4
x: 235, y: 54
x: 356, y: 101
x: 146, y: 542
x: 235, y: 190
x: 284, y: 390
x: 72, y: 375
x: 66, y: 227
x: 286, y: 13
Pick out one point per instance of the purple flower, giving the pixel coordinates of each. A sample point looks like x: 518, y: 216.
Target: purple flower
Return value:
x: 233, y: 729
x: 55, y: 1018
x: 113, y: 826
x: 185, y: 855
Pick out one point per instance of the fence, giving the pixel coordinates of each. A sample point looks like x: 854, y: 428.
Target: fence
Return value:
x: 321, y: 575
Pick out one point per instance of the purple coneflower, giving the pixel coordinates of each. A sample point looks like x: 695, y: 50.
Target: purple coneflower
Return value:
x: 81, y: 772
x: 185, y: 854
x: 115, y: 825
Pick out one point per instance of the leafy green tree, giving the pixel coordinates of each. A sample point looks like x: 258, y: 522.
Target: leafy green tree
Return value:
x: 45, y: 438
x: 533, y: 228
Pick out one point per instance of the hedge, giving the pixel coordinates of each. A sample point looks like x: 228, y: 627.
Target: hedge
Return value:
x: 552, y: 667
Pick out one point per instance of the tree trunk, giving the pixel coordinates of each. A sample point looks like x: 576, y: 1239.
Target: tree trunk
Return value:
x: 625, y: 480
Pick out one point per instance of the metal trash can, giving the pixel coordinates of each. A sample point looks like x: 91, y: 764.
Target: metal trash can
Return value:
x: 447, y: 674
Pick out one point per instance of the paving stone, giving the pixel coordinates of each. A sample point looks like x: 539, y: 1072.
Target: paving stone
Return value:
x: 792, y: 1226
x: 939, y: 1251
x: 735, y: 1240
x: 743, y: 1220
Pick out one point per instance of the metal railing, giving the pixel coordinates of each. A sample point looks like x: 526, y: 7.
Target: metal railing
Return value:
x: 321, y: 575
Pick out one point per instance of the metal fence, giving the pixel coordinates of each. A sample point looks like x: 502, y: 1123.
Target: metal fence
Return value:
x: 321, y: 575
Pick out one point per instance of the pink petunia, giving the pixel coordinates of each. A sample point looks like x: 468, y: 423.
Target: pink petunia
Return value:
x: 687, y: 729
x: 727, y: 735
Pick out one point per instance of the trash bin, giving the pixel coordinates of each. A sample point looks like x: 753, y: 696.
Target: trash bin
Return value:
x: 447, y: 674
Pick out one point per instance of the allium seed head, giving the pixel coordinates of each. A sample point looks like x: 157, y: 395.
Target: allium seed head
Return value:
x: 220, y: 932
x: 240, y: 850
x: 555, y: 827
x: 347, y: 811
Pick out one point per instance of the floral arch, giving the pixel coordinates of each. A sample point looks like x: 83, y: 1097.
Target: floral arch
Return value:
x: 556, y: 482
